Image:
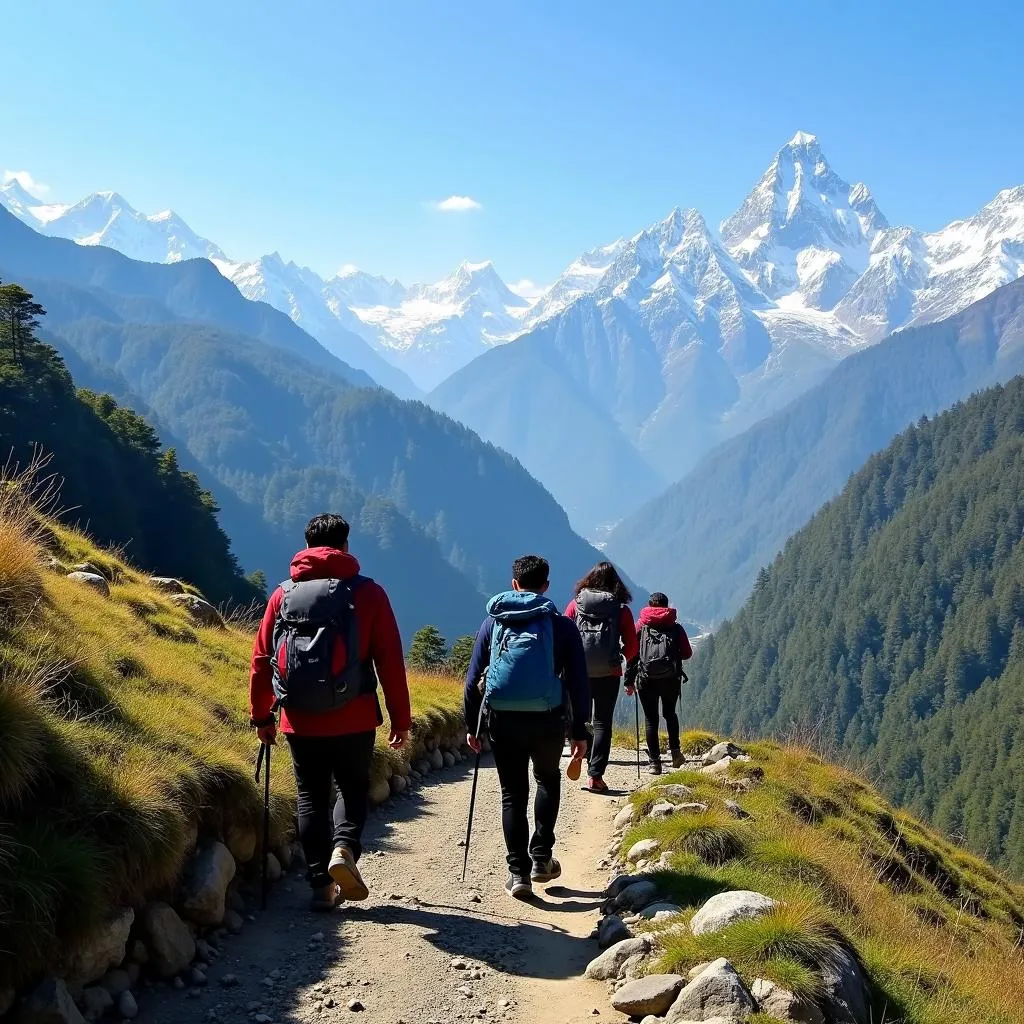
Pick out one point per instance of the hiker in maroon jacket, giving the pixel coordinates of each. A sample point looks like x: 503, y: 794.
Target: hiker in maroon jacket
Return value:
x: 601, y: 612
x: 335, y: 741
x: 658, y: 674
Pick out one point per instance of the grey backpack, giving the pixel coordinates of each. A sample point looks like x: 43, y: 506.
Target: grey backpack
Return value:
x: 597, y: 619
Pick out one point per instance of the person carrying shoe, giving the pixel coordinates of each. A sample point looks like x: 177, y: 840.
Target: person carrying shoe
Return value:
x: 605, y: 624
x: 658, y: 675
x: 327, y: 638
x: 527, y: 660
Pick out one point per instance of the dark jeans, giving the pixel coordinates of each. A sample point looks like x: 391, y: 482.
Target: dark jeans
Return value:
x: 604, y: 692
x: 667, y: 693
x: 517, y: 738
x: 318, y: 760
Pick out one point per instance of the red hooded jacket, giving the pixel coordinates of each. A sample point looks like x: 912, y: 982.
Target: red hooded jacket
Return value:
x: 379, y: 642
x: 664, y: 618
x: 627, y: 633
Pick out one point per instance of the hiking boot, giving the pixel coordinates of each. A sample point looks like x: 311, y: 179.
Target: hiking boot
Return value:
x: 326, y: 898
x: 677, y: 759
x: 344, y: 871
x: 518, y: 888
x: 595, y: 784
x: 545, y: 871
x: 654, y: 767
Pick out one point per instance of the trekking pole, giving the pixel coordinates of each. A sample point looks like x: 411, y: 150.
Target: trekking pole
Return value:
x: 264, y: 755
x: 636, y: 710
x: 472, y: 796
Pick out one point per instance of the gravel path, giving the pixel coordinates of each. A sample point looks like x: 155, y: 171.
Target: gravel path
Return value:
x: 425, y: 948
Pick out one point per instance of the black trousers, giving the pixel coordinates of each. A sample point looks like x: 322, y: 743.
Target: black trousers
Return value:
x: 317, y: 761
x: 666, y: 693
x: 604, y: 692
x: 517, y: 739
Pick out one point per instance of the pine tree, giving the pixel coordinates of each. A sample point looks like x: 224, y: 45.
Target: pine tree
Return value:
x: 461, y: 655
x: 428, y: 651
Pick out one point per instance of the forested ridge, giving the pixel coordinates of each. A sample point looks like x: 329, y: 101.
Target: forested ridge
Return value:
x: 892, y: 627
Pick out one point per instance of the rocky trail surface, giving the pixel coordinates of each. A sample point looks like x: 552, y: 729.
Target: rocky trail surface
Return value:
x: 424, y: 948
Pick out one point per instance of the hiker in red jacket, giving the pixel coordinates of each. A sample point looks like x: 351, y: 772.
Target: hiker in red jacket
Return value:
x: 658, y: 674
x: 327, y: 637
x: 601, y: 613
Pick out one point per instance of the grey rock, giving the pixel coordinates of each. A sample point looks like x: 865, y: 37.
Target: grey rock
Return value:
x: 96, y: 1000
x: 631, y: 967
x: 380, y: 790
x: 49, y: 1002
x: 652, y: 911
x: 653, y: 994
x: 197, y: 977
x: 783, y: 1004
x: 697, y: 970
x: 170, y: 943
x: 612, y: 930
x: 92, y: 580
x: 675, y: 791
x: 722, y: 910
x: 117, y: 981
x: 102, y: 949
x: 718, y: 768
x: 127, y: 1006
x: 606, y: 966
x: 233, y: 921
x: 423, y: 766
x: 719, y: 752
x: 436, y: 759
x: 735, y: 810
x: 637, y: 896
x: 205, y: 884
x: 398, y: 783
x: 201, y: 610
x: 286, y: 855
x: 846, y: 999
x: 620, y: 882
x: 449, y: 759
x: 274, y: 869
x: 642, y: 849
x: 167, y: 584
x: 624, y: 818
x: 355, y: 1006
x: 662, y: 809
x: 236, y: 902
x: 717, y: 991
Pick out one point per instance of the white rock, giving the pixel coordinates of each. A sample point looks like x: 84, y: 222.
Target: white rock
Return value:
x: 167, y: 584
x: 205, y: 884
x: 380, y: 790
x: 202, y: 611
x: 675, y: 791
x: 624, y: 818
x: 717, y: 991
x: 719, y: 752
x: 722, y: 910
x: 662, y: 809
x: 653, y: 994
x: 643, y: 848
x: 660, y: 911
x: 103, y: 949
x: 606, y: 966
x: 170, y: 943
x: 718, y: 768
x: 783, y: 1004
x: 92, y: 580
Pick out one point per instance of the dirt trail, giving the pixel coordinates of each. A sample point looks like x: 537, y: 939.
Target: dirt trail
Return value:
x: 398, y: 952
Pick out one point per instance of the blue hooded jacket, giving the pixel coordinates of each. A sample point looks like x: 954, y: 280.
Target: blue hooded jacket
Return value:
x: 569, y: 660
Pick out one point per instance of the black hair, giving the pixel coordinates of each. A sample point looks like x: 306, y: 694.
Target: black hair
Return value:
x: 530, y: 571
x: 605, y: 577
x: 658, y: 600
x: 327, y: 531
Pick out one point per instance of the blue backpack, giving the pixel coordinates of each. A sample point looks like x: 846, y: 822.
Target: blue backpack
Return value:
x: 521, y: 675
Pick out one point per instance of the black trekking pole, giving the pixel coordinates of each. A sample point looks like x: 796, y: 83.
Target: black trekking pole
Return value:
x: 472, y: 796
x: 636, y: 710
x: 264, y: 755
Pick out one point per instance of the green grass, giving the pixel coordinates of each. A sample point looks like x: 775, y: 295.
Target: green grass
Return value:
x: 125, y: 734
x: 937, y: 929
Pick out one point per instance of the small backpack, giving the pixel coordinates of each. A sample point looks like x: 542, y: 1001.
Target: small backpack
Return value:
x: 659, y: 653
x: 597, y: 619
x: 521, y: 674
x: 316, y: 646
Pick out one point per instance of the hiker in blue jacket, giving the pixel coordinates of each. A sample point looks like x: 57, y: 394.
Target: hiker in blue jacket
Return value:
x: 527, y: 674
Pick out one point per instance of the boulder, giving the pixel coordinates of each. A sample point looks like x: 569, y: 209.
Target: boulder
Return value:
x: 697, y: 970
x: 722, y: 910
x: 241, y: 841
x: 659, y: 911
x: 205, y: 884
x: 201, y: 610
x: 783, y: 1004
x: 631, y: 967
x: 96, y: 1000
x: 423, y: 766
x: 662, y: 809
x: 717, y: 991
x: 637, y: 895
x: 735, y: 810
x: 611, y: 930
x: 286, y: 855
x: 93, y: 580
x: 449, y: 759
x: 233, y: 921
x: 620, y: 882
x: 845, y: 999
x: 436, y: 759
x: 89, y: 568
x: 607, y: 965
x: 675, y: 791
x: 398, y: 783
x: 719, y: 752
x: 718, y: 768
x: 653, y: 994
x: 127, y: 1006
x: 167, y: 584
x: 49, y: 1002
x: 624, y: 818
x: 380, y: 790
x: 170, y: 943
x: 104, y: 948
x: 644, y: 848
x: 273, y: 868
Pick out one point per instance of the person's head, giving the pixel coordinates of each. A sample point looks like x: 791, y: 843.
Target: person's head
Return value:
x: 658, y: 600
x: 327, y: 531
x: 530, y: 572
x: 605, y: 577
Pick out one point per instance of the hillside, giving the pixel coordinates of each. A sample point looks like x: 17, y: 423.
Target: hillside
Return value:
x: 890, y: 628
x: 704, y: 539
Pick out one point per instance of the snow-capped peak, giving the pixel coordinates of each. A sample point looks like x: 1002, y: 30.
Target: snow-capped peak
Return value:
x: 803, y: 140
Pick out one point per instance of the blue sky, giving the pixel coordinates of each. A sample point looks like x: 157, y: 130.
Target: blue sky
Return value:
x: 327, y: 130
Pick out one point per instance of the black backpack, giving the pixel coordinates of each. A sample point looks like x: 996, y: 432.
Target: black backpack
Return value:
x: 597, y: 619
x: 659, y: 653
x: 316, y: 646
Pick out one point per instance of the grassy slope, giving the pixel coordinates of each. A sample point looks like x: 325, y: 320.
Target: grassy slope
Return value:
x: 937, y: 930
x: 125, y: 726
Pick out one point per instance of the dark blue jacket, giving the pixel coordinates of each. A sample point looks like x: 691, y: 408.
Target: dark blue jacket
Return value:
x: 570, y: 666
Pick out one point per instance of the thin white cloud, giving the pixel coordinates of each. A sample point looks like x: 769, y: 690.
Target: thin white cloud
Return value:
x: 27, y: 182
x: 457, y: 204
x: 528, y: 289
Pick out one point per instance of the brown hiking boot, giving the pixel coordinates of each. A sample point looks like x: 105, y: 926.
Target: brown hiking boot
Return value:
x: 344, y: 871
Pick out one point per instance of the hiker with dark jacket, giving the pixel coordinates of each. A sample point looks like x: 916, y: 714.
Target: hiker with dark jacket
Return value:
x: 658, y: 675
x: 527, y: 671
x: 327, y: 638
x: 605, y: 623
